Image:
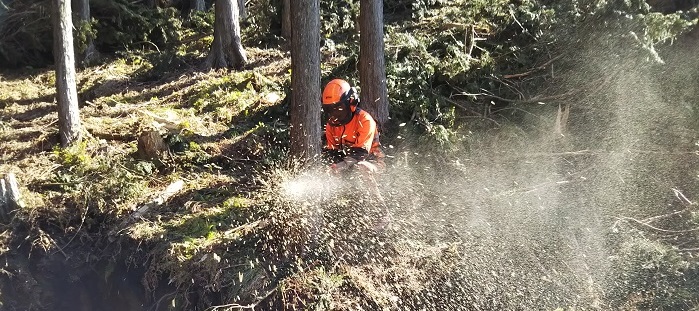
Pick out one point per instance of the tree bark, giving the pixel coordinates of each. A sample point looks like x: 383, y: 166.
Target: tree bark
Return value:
x: 66, y: 91
x: 89, y: 52
x: 226, y: 49
x: 305, y: 80
x: 372, y: 69
x: 286, y: 19
x: 197, y: 6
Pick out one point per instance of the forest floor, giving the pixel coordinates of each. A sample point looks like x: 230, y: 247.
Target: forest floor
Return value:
x: 225, y: 238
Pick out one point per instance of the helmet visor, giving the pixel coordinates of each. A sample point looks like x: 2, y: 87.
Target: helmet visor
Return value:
x: 335, y: 108
x: 337, y: 113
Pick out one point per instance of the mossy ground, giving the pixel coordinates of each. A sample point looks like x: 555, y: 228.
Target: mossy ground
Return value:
x: 231, y: 238
x: 225, y: 237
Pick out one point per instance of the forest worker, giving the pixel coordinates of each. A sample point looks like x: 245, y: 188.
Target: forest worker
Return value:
x: 351, y: 134
x: 353, y: 141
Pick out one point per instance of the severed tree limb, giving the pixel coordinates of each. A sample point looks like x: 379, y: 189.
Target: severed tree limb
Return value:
x: 526, y: 101
x: 685, y: 201
x: 517, y: 101
x: 159, y: 200
x: 656, y: 218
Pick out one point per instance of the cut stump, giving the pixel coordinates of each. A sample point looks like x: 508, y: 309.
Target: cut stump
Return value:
x: 10, y: 199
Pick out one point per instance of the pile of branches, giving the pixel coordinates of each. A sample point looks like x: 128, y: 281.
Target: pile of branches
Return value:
x: 25, y: 34
x: 26, y: 37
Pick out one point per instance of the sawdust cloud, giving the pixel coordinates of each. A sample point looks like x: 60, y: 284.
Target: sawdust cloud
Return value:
x: 533, y: 209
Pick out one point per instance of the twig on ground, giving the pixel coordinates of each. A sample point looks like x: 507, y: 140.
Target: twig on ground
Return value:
x: 540, y: 67
x: 655, y: 218
x: 649, y: 226
x: 683, y: 198
x: 250, y: 306
x: 157, y: 304
x: 82, y: 222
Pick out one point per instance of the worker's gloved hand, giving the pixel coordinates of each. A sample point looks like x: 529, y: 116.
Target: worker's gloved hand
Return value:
x: 343, y: 165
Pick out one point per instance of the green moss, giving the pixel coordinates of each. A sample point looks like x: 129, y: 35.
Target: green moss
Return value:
x: 235, y: 203
x: 75, y: 155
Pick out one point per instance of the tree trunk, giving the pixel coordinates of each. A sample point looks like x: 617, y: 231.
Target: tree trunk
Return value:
x: 66, y: 92
x: 242, y: 10
x: 226, y: 49
x: 197, y: 6
x: 372, y: 69
x: 286, y: 19
x: 305, y: 80
x: 86, y: 54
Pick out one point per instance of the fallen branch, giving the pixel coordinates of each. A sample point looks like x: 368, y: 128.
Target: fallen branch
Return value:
x: 649, y: 226
x: 524, y: 74
x: 647, y: 222
x: 656, y: 218
x: 683, y: 198
x: 160, y: 199
x: 246, y: 228
x: 528, y: 101
x: 242, y: 307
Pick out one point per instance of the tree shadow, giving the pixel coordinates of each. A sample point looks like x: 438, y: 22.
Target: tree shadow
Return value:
x: 34, y: 113
x: 41, y: 142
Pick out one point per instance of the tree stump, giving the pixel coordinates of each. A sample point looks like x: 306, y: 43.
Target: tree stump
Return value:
x: 10, y: 198
x: 151, y: 145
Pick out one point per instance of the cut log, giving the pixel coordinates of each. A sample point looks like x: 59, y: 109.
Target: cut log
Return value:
x: 4, y: 208
x: 10, y: 199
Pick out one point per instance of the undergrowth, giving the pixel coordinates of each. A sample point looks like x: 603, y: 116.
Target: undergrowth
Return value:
x: 460, y: 75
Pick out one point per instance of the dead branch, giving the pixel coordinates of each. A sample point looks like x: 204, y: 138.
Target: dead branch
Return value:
x: 249, y: 227
x: 540, y: 67
x: 243, y: 307
x: 656, y: 218
x: 159, y: 200
x: 683, y: 198
x: 517, y: 101
x: 526, y: 101
x: 654, y: 228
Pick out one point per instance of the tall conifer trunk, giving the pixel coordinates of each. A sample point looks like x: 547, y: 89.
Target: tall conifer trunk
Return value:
x: 305, y: 79
x: 226, y: 49
x: 372, y: 69
x: 66, y: 91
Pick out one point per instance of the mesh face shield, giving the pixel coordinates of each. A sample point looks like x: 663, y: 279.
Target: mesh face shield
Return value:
x: 338, y: 113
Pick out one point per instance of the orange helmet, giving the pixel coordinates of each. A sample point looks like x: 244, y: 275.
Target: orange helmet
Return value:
x: 335, y: 91
x: 338, y: 95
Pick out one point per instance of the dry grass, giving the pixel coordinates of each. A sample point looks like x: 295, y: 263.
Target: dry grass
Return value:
x: 230, y: 230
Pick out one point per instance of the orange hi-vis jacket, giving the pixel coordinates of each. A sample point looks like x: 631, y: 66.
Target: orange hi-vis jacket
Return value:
x: 360, y: 132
